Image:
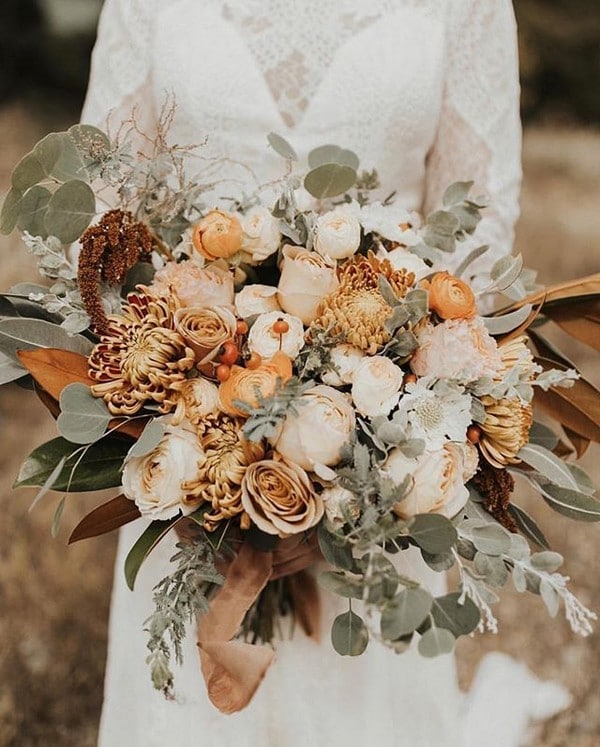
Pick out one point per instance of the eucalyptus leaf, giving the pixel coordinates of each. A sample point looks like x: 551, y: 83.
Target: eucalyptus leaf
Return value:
x: 335, y: 551
x: 436, y: 642
x: 433, y: 533
x: 405, y: 613
x: 456, y: 193
x: 83, y: 418
x: 440, y: 230
x: 83, y: 135
x: 329, y: 180
x: 70, y: 211
x: 492, y: 568
x: 29, y: 334
x: 491, y: 539
x: 548, y: 465
x: 69, y: 163
x: 27, y: 173
x: 10, y: 211
x: 149, y: 440
x: 281, y: 146
x: 460, y: 618
x: 439, y: 563
x: 32, y: 211
x: 341, y: 584
x: 332, y: 154
x: 501, y: 325
x: 349, y: 634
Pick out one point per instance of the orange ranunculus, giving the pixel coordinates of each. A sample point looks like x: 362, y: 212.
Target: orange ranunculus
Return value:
x: 247, y: 384
x: 450, y: 297
x: 218, y: 235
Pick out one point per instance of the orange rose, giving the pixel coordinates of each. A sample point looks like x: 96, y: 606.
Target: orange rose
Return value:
x: 450, y: 297
x: 218, y: 234
x: 247, y: 384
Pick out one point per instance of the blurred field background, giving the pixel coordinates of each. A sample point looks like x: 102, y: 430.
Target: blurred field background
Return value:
x: 54, y: 600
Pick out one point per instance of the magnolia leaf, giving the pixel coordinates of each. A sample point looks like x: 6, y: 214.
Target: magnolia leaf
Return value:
x: 581, y: 321
x: 148, y: 441
x: 54, y: 369
x: 340, y: 584
x: 579, y: 442
x: 329, y: 180
x: 281, y: 146
x: 25, y: 308
x: 335, y: 551
x: 144, y: 546
x: 32, y: 211
x: 10, y: 211
x: 48, y: 485
x: 100, y: 468
x: 436, y: 642
x: 576, y: 408
x: 349, y: 634
x: 105, y: 518
x: 332, y: 154
x: 459, y: 617
x: 70, y: 211
x: 83, y: 418
x: 571, y: 503
x: 456, y: 193
x: 528, y: 526
x: 27, y: 334
x: 501, y: 325
x: 548, y: 465
x: 433, y: 533
x: 405, y: 613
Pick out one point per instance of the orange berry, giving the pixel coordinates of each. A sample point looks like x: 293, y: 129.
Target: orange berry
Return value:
x: 223, y: 372
x: 281, y: 327
x: 254, y: 361
x: 241, y: 327
x: 229, y: 353
x: 409, y: 378
x: 474, y: 434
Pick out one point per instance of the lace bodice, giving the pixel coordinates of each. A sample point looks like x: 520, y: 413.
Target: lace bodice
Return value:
x: 424, y: 90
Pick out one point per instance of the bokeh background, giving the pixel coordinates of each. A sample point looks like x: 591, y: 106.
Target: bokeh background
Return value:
x: 54, y: 600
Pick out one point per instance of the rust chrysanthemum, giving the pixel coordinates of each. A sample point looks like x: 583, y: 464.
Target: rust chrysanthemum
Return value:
x: 356, y: 310
x: 140, y: 356
x: 219, y: 480
x: 505, y: 430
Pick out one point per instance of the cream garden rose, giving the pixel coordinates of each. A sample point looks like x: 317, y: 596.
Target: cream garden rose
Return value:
x: 194, y: 285
x: 261, y: 236
x: 155, y: 481
x: 256, y: 299
x: 376, y: 384
x: 315, y: 435
x: 404, y: 259
x: 438, y: 479
x: 263, y: 340
x: 194, y: 399
x: 345, y: 358
x: 337, y: 232
x: 306, y: 278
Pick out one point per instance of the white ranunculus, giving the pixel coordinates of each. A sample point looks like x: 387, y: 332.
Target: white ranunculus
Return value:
x: 306, y: 278
x: 376, y: 385
x: 404, y: 259
x: 261, y: 234
x: 391, y: 222
x: 345, y: 358
x: 315, y: 435
x: 438, y: 477
x: 340, y: 504
x: 256, y: 299
x: 337, y: 232
x: 155, y: 481
x: 264, y: 341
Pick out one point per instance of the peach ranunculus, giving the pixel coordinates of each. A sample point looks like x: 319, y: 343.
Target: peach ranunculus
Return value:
x: 315, y: 434
x: 279, y: 498
x: 156, y: 481
x: 263, y: 339
x: 438, y: 479
x: 306, y: 278
x: 459, y: 349
x: 194, y: 285
x: 218, y: 235
x: 256, y: 299
x: 376, y: 385
x: 337, y: 232
x: 247, y: 384
x: 450, y: 297
x: 205, y: 330
x: 261, y: 235
x: 193, y: 399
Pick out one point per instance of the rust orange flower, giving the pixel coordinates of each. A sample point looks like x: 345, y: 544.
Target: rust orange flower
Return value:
x: 450, y: 297
x: 218, y: 235
x: 248, y: 384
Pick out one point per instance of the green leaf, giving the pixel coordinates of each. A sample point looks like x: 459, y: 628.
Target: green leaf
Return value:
x: 349, y: 634
x: 340, y: 584
x: 84, y: 135
x: 149, y: 440
x: 439, y: 563
x: 388, y: 293
x: 48, y: 485
x: 506, y: 271
x: 501, y: 325
x: 583, y: 480
x: 29, y: 334
x: 100, y: 468
x: 550, y: 597
x: 332, y: 154
x: 456, y: 193
x: 547, y: 561
x: 27, y: 173
x: 491, y: 539
x: 492, y: 568
x: 67, y: 161
x: 83, y: 418
x: 436, y: 642
x: 548, y: 465
x: 528, y: 526
x: 571, y: 503
x: 433, y: 533
x: 144, y: 546
x: 58, y: 516
x: 440, y: 230
x: 70, y: 211
x: 541, y: 435
x: 329, y: 180
x: 281, y: 146
x: 470, y: 258
x: 449, y: 613
x: 10, y: 370
x: 32, y: 211
x: 335, y: 551
x: 10, y: 211
x: 405, y: 613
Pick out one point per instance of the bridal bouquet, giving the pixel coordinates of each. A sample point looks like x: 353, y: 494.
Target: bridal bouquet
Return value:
x: 293, y: 377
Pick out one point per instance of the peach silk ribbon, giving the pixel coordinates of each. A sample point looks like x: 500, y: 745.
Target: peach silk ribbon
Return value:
x: 233, y: 669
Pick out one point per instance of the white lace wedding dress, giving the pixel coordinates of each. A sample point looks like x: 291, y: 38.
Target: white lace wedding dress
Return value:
x: 427, y: 92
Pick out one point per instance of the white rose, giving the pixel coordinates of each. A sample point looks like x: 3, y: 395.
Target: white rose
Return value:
x: 338, y: 232
x: 315, y: 435
x: 439, y: 479
x: 256, y: 299
x: 306, y: 278
x: 155, y: 481
x: 391, y: 222
x: 261, y: 234
x: 345, y: 358
x: 340, y: 503
x: 403, y: 259
x: 264, y: 341
x: 376, y: 385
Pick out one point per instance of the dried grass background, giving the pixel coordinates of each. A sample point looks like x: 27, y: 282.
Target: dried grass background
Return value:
x: 54, y: 600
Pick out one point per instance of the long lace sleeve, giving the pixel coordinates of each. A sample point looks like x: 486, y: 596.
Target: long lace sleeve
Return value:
x: 121, y: 71
x: 479, y: 135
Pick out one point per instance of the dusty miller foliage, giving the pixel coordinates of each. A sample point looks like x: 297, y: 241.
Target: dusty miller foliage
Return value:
x: 178, y: 598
